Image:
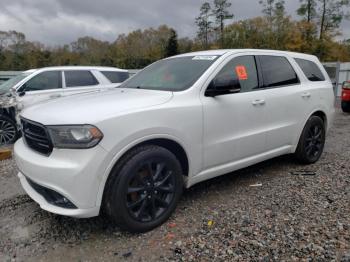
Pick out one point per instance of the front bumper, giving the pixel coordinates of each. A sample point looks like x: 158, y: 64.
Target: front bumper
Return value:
x: 73, y: 174
x: 79, y: 213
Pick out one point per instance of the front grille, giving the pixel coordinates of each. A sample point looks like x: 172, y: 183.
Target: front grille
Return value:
x: 51, y: 196
x: 36, y: 137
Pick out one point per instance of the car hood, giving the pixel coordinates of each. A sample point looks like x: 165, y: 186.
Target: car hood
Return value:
x: 92, y: 108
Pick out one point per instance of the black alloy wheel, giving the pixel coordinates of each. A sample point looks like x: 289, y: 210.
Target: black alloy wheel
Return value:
x: 312, y: 140
x: 144, y: 188
x: 150, y: 190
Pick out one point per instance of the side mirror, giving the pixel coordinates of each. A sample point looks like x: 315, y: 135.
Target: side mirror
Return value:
x: 346, y: 85
x: 22, y: 93
x: 223, y: 86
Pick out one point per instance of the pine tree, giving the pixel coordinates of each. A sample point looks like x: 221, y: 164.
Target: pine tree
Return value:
x: 221, y: 14
x: 204, y: 23
x: 307, y: 10
x: 172, y: 45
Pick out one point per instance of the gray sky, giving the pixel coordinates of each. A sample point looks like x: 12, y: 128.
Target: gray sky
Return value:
x: 56, y: 22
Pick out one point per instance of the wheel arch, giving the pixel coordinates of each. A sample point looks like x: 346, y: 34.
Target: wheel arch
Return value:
x: 169, y: 142
x: 317, y: 112
x: 322, y: 115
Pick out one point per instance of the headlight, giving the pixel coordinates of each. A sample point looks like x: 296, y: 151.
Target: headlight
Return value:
x: 75, y: 137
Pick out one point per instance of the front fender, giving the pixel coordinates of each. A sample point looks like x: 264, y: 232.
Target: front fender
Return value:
x: 116, y: 154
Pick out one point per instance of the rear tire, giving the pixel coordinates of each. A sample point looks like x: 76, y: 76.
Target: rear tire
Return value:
x: 345, y: 106
x: 143, y: 189
x: 8, y: 130
x: 311, y: 142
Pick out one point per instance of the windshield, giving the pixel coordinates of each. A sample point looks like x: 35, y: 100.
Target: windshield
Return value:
x: 5, y: 87
x: 346, y: 85
x: 174, y: 74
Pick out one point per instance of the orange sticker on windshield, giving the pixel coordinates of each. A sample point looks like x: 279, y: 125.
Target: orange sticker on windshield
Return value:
x: 241, y: 72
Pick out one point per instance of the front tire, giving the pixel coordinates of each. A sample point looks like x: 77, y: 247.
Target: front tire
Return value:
x: 144, y: 189
x: 345, y: 106
x: 8, y: 130
x: 311, y: 142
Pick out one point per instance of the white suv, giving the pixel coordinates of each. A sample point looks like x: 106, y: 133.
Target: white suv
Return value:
x: 37, y: 85
x: 180, y: 121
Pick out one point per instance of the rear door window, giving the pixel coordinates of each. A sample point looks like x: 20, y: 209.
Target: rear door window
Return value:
x: 115, y: 77
x: 277, y: 71
x: 310, y: 69
x: 78, y: 78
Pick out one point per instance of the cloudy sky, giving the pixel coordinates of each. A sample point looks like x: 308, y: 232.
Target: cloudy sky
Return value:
x: 56, y: 22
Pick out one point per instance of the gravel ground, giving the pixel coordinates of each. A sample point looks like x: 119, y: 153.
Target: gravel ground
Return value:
x: 286, y: 216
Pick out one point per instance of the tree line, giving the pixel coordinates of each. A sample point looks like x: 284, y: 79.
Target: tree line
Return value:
x: 315, y: 31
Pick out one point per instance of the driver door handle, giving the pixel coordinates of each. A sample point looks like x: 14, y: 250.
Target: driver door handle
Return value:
x: 306, y: 95
x: 258, y: 102
x: 55, y: 96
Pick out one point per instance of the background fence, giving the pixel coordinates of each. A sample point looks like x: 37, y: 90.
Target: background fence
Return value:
x: 6, y: 75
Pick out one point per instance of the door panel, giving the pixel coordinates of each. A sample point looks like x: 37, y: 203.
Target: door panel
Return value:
x: 233, y: 128
x: 286, y: 100
x: 234, y: 123
x: 286, y: 110
x: 41, y: 87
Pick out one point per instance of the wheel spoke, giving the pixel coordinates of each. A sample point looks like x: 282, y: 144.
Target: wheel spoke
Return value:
x: 135, y: 189
x: 160, y: 168
x: 161, y: 202
x: 142, y: 208
x: 149, y: 168
x: 167, y: 176
x: 137, y: 202
x: 318, y: 135
x: 153, y: 208
x: 164, y: 189
x: 309, y: 151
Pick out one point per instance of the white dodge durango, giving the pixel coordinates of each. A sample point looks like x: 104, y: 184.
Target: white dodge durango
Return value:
x: 180, y: 121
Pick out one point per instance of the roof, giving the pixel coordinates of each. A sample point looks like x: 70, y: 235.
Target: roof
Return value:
x: 100, y: 68
x: 219, y: 52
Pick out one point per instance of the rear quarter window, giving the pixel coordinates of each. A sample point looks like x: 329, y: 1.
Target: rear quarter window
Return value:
x: 76, y: 78
x: 277, y: 71
x: 310, y: 69
x: 115, y: 77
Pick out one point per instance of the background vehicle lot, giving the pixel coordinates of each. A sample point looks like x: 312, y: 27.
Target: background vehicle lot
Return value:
x: 288, y: 217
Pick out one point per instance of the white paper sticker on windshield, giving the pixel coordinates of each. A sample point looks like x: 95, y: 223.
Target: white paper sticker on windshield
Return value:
x: 204, y: 57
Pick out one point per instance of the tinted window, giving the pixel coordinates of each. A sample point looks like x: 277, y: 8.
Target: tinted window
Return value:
x: 116, y: 77
x: 173, y: 74
x: 310, y: 69
x: 44, y: 81
x: 277, y: 71
x: 79, y: 78
x: 242, y: 69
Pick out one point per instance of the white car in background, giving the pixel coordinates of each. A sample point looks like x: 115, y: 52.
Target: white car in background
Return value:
x: 37, y: 85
